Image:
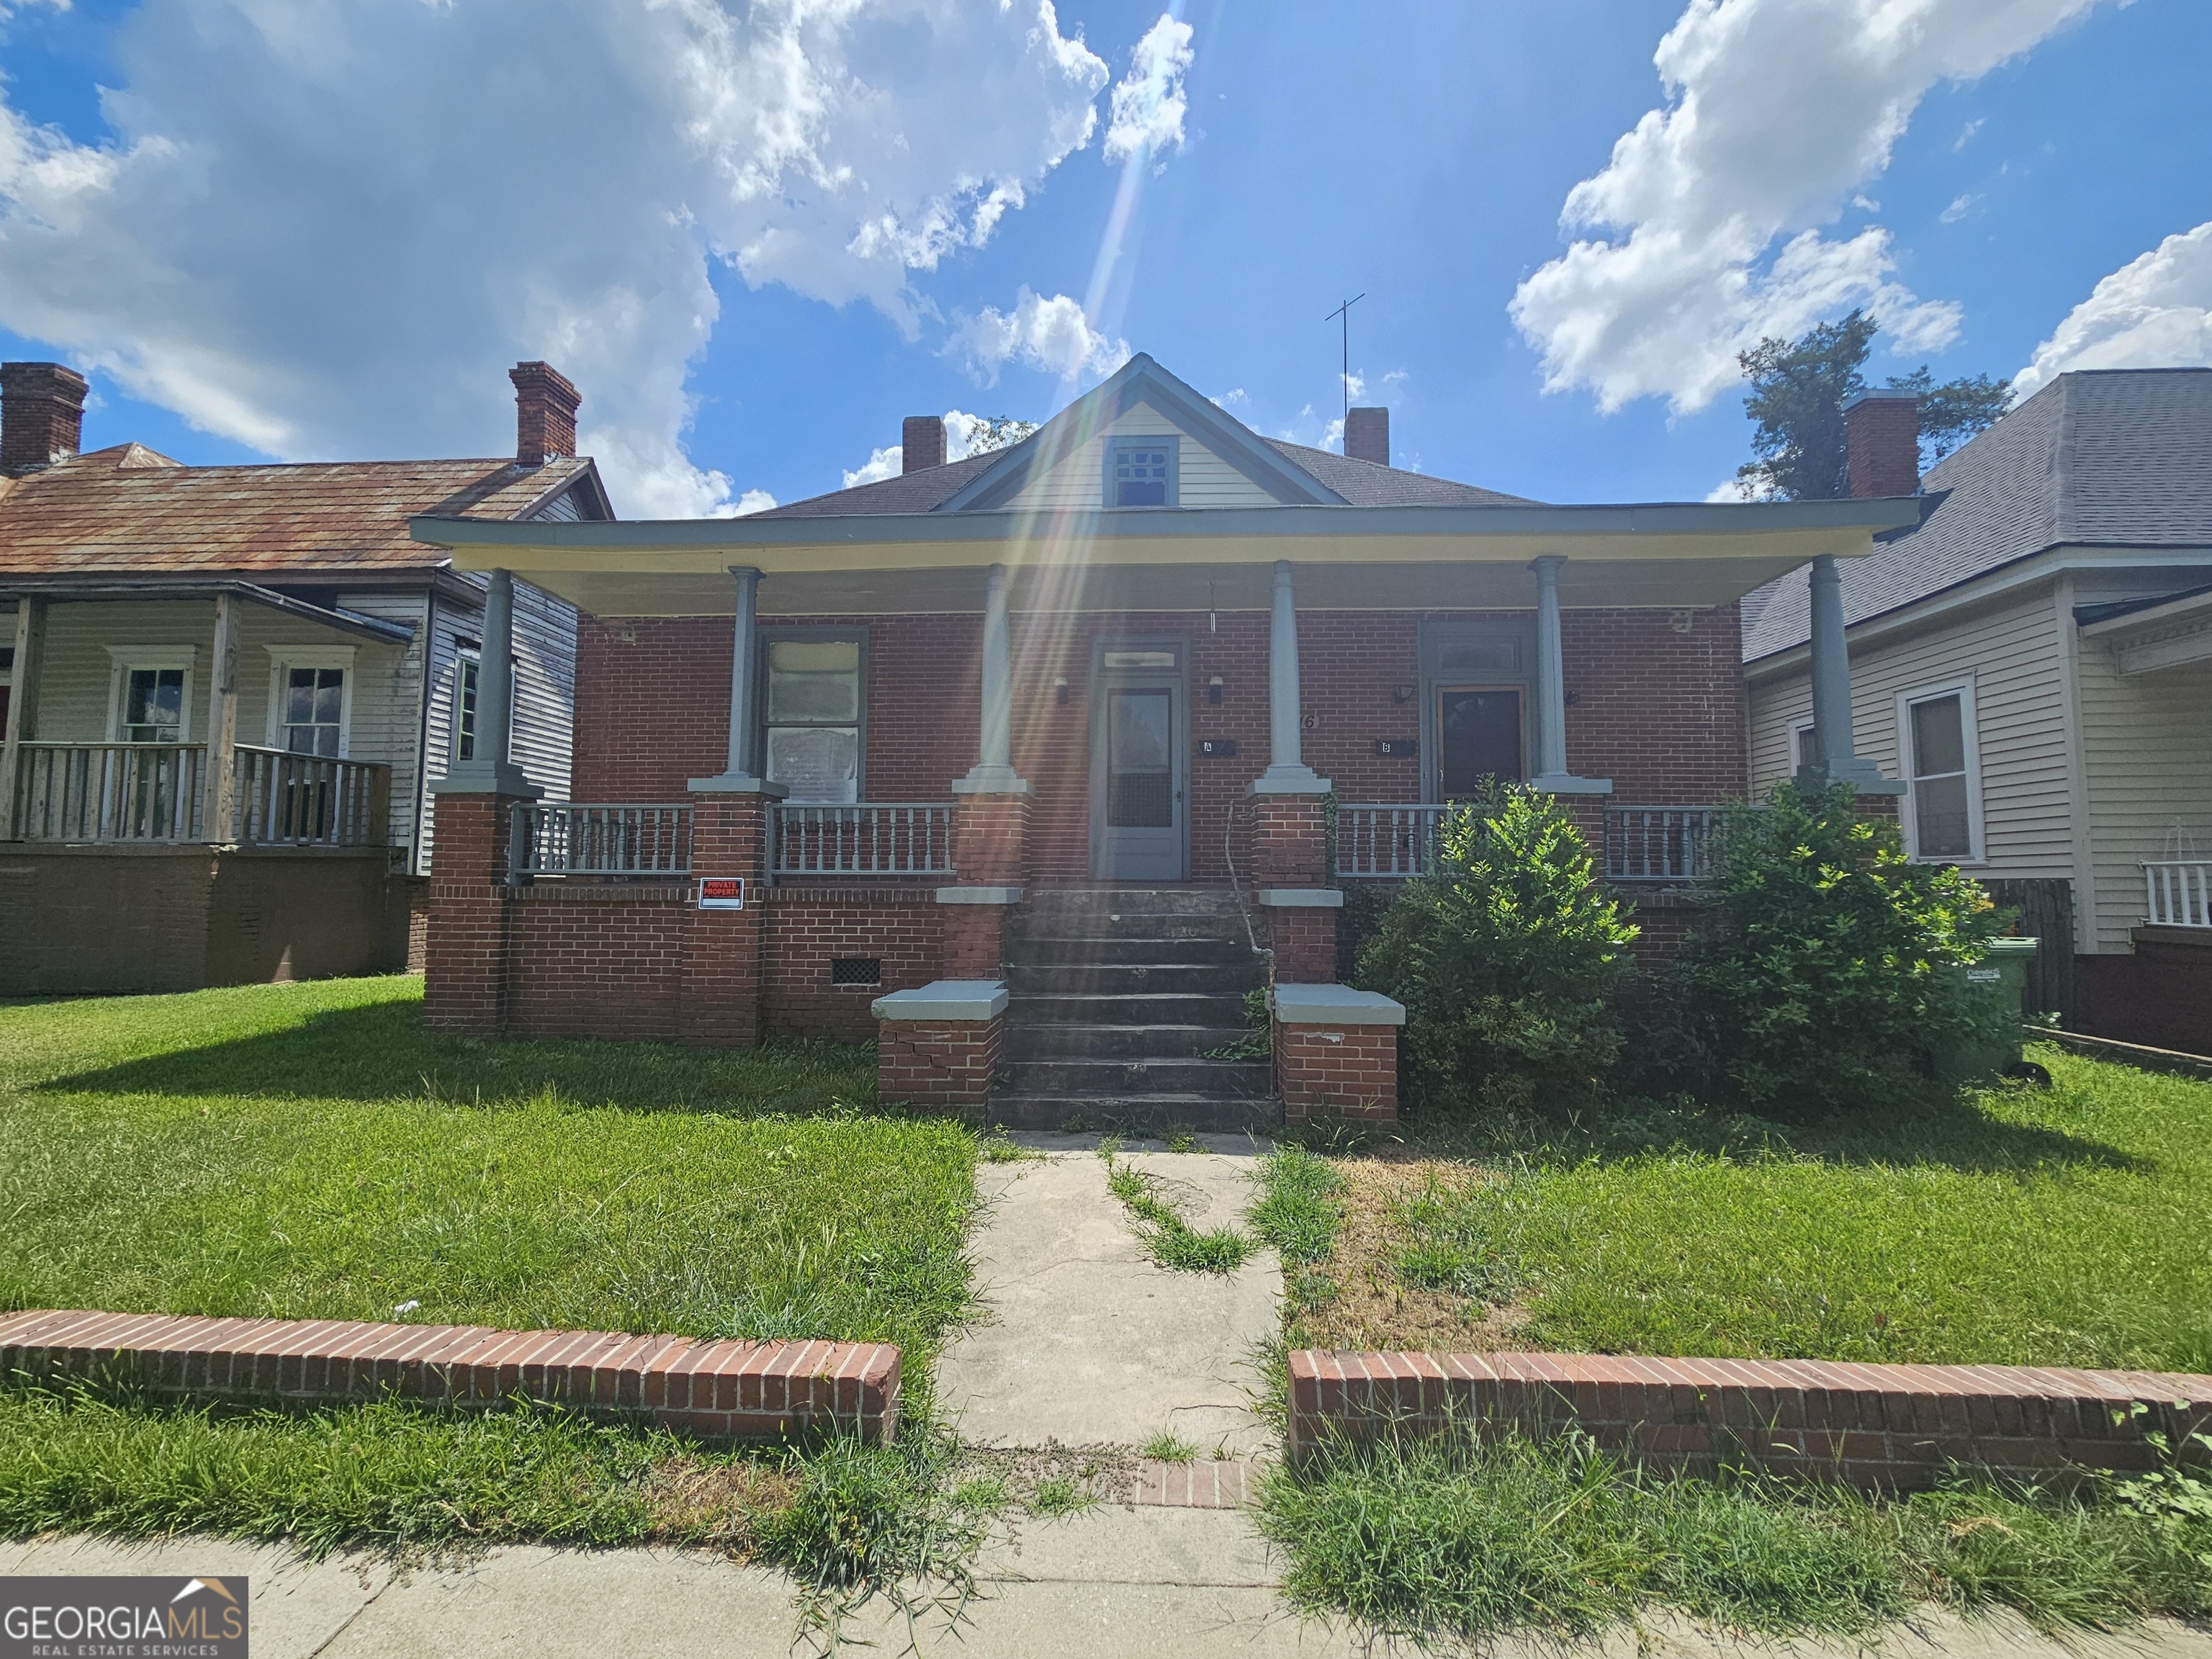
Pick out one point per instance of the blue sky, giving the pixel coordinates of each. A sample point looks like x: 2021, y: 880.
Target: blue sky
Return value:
x: 304, y: 227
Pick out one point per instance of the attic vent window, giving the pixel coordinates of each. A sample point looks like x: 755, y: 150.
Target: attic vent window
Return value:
x: 1141, y: 472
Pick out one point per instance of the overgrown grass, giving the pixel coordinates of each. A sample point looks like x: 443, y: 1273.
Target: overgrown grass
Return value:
x: 308, y: 1151
x: 1298, y: 1211
x: 1448, y: 1542
x: 2010, y: 1226
x: 1170, y: 1240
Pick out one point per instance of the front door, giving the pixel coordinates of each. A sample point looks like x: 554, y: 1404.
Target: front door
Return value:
x: 1478, y: 731
x: 1138, y: 786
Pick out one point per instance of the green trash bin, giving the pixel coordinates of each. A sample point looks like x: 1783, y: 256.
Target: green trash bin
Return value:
x: 2003, y: 977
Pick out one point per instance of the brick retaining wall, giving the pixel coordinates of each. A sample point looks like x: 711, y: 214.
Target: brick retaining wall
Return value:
x: 1897, y: 1427
x: 711, y: 1390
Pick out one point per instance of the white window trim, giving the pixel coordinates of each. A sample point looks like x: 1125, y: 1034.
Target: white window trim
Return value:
x: 1908, y: 764
x: 1799, y: 732
x: 284, y: 658
x: 466, y: 650
x: 124, y: 658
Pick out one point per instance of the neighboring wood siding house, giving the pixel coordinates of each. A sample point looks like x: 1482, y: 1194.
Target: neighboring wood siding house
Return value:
x: 206, y: 669
x: 2034, y: 661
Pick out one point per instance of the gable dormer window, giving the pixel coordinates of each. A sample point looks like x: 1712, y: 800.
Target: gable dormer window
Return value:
x: 1141, y: 472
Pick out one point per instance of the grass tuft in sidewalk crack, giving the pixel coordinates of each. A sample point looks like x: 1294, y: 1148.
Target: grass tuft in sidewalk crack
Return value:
x: 1300, y: 1208
x: 1170, y: 1240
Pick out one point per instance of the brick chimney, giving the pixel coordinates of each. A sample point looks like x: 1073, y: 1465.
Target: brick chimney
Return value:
x: 921, y: 442
x: 1367, y: 435
x: 545, y: 413
x: 1881, y: 443
x: 41, y: 416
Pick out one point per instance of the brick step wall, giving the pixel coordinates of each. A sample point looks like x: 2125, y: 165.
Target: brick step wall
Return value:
x: 1894, y: 1427
x: 710, y: 1390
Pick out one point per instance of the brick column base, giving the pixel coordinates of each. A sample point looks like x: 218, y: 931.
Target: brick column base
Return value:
x: 466, y: 945
x: 937, y: 1047
x: 990, y: 851
x: 1336, y: 1054
x: 718, y: 1002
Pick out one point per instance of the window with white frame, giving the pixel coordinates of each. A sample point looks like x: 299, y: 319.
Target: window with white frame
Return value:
x: 311, y: 700
x: 1804, y: 746
x: 151, y: 698
x: 1141, y: 472
x: 811, y: 714
x: 1942, y: 766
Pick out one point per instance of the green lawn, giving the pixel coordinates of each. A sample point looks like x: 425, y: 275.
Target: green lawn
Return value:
x: 307, y: 1151
x: 2067, y: 1226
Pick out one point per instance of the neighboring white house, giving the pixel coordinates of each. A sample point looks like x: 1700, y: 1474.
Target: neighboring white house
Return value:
x: 2034, y: 662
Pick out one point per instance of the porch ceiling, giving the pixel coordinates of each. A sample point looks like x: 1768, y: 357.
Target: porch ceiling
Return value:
x: 1348, y: 558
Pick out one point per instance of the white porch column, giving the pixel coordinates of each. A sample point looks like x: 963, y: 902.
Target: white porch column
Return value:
x: 219, y: 791
x: 993, y: 772
x: 1287, y: 774
x: 1839, y: 762
x: 30, y: 640
x: 1551, y: 773
x: 491, y: 770
x: 741, y: 776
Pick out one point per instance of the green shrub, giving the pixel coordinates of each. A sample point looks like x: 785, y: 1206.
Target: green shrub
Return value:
x: 1831, y: 962
x: 1505, y: 956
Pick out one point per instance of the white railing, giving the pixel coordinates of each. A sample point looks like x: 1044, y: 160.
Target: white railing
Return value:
x: 566, y: 839
x: 2177, y: 892
x: 1659, y: 843
x: 109, y: 792
x: 284, y: 799
x: 1383, y: 843
x: 874, y: 838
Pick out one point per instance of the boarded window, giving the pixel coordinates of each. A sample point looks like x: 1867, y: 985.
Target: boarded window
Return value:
x: 811, y: 713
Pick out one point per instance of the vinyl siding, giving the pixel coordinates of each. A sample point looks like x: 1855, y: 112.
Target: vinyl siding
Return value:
x: 2147, y: 745
x: 544, y: 692
x: 2009, y: 649
x: 1079, y: 482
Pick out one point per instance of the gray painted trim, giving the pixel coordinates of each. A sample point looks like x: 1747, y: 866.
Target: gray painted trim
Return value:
x: 1302, y: 898
x: 979, y: 895
x: 1334, y: 1005
x: 950, y: 999
x: 734, y: 535
x: 346, y: 622
x: 1140, y: 379
x: 1114, y: 447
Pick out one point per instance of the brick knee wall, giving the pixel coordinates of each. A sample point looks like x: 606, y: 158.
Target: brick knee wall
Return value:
x: 1304, y: 943
x: 1347, y: 1073
x: 809, y: 928
x: 1893, y: 1427
x: 936, y: 1066
x: 711, y: 1390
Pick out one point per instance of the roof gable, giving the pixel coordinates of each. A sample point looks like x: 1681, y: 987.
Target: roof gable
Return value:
x: 1060, y: 441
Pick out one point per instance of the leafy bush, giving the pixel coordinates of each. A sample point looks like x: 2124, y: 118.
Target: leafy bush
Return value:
x: 1504, y: 955
x: 1831, y: 964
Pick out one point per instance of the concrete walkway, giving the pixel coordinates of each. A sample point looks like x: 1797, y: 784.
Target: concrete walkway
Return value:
x: 1115, y: 1584
x: 1087, y: 1343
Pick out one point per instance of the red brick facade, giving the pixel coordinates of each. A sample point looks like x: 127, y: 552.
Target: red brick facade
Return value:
x: 938, y: 1066
x: 1346, y: 1073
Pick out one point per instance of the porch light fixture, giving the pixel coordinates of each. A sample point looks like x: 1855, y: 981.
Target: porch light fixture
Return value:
x: 1214, y: 689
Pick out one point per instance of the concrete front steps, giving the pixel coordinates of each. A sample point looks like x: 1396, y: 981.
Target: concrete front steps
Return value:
x: 1117, y: 995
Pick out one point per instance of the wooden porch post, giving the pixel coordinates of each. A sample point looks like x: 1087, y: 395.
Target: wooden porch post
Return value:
x: 22, y: 704
x: 220, y: 793
x: 1551, y: 773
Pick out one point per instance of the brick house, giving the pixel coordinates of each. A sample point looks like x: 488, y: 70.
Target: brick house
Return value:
x: 1034, y: 763
x: 223, y: 687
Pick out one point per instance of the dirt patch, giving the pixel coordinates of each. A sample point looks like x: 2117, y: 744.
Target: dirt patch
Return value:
x: 715, y: 1505
x: 1372, y: 1307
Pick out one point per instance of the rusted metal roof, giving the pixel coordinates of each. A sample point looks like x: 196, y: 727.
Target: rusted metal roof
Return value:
x: 127, y: 510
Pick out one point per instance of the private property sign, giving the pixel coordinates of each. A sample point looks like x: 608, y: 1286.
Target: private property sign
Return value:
x: 136, y: 1617
x: 721, y: 892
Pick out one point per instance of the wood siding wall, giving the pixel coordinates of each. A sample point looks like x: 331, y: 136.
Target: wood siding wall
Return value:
x: 1079, y: 482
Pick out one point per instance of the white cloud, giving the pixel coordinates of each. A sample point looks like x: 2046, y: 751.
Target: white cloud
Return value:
x: 1053, y: 336
x: 1966, y: 133
x: 329, y: 228
x: 753, y: 500
x: 2153, y: 313
x: 1234, y: 396
x: 883, y: 463
x: 1777, y: 113
x: 1961, y: 205
x: 1148, y: 107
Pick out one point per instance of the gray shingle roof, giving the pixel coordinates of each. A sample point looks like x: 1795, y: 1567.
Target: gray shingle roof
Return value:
x: 1362, y: 483
x: 2113, y: 458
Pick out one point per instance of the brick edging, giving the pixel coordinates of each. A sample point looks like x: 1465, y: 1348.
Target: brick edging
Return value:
x: 1878, y: 1426
x: 725, y: 1390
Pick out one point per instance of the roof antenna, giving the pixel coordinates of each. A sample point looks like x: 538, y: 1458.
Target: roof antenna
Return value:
x: 1343, y: 313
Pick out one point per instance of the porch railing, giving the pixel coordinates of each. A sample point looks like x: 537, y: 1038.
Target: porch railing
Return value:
x: 109, y: 792
x: 284, y: 799
x: 1383, y: 843
x: 1659, y: 843
x: 2177, y: 893
x: 568, y: 839
x: 874, y: 838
